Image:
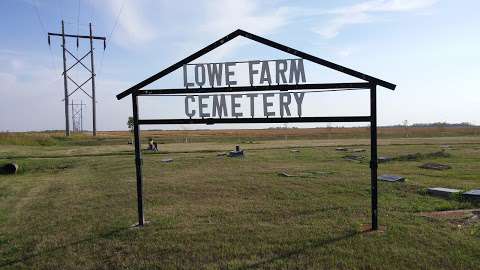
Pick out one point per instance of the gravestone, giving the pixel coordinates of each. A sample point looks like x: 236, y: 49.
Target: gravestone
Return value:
x: 434, y: 166
x: 167, y: 160
x: 294, y: 151
x: 391, y: 178
x: 341, y: 149
x: 358, y: 150
x: 473, y: 194
x: 443, y: 192
x: 236, y: 153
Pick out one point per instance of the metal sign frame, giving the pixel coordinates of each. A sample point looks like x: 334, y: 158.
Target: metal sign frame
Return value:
x: 370, y: 83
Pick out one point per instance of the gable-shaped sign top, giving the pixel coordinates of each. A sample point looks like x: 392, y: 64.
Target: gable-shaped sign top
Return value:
x: 264, y: 41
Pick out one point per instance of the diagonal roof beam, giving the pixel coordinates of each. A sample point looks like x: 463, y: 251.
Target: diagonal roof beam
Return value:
x: 317, y: 60
x: 179, y: 64
x: 264, y: 41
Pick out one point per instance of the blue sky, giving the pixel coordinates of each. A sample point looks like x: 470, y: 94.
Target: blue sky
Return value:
x: 429, y: 48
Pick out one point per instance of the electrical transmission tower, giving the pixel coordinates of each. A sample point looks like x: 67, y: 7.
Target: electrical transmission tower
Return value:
x: 67, y: 78
x: 77, y: 116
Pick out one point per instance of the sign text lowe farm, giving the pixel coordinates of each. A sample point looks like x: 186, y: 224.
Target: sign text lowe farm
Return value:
x: 284, y: 71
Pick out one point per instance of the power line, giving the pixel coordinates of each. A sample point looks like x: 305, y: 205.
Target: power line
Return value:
x: 60, y: 8
x: 42, y: 25
x: 116, y: 20
x: 92, y: 10
x: 109, y: 37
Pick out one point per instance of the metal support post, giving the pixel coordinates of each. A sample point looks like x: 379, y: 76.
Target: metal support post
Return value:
x: 138, y: 161
x: 373, y: 154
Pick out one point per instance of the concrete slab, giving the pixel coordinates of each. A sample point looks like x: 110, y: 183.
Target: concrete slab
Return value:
x: 391, y: 178
x: 473, y: 194
x: 443, y: 192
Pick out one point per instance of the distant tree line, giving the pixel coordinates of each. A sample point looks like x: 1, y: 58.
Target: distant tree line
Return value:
x: 437, y: 124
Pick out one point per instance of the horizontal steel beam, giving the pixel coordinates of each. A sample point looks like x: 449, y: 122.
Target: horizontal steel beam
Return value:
x: 258, y: 88
x: 77, y: 36
x: 242, y: 62
x: 211, y: 121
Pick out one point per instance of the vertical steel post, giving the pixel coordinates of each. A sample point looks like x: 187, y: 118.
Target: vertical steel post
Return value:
x: 65, y: 83
x: 94, y: 111
x: 73, y: 118
x: 81, y: 116
x: 138, y: 160
x: 373, y: 154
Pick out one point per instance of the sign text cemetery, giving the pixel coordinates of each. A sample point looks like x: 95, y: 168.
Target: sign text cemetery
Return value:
x: 212, y: 75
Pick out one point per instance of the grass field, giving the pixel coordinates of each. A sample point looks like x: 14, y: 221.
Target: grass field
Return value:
x: 72, y: 204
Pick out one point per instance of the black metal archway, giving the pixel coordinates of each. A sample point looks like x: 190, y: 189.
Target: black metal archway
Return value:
x: 370, y: 83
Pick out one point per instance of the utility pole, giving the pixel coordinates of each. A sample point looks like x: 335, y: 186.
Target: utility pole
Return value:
x: 65, y: 82
x: 77, y: 116
x: 94, y: 111
x: 91, y: 70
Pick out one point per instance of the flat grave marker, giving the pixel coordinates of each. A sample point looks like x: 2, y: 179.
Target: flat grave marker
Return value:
x: 443, y: 192
x: 473, y: 194
x: 391, y: 178
x: 384, y: 159
x: 353, y: 158
x: 435, y: 166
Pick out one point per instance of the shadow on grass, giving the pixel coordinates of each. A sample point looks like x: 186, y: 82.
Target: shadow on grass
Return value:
x: 106, y: 235
x: 318, y: 243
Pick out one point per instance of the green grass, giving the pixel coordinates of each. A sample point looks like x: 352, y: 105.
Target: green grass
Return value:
x: 67, y: 211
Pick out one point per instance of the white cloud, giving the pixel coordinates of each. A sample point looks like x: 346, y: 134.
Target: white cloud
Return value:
x: 142, y: 22
x: 225, y: 16
x: 345, y: 52
x: 364, y: 13
x: 8, y: 81
x: 132, y: 28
